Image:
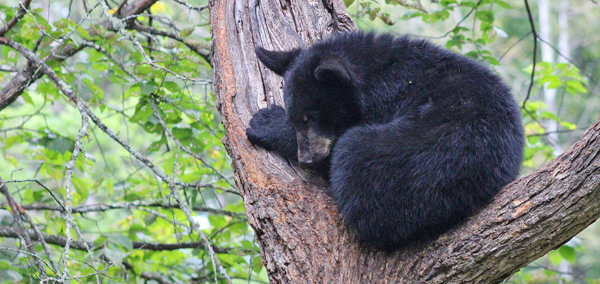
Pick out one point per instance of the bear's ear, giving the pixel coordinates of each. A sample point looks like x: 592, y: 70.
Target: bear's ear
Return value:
x: 277, y: 61
x: 332, y: 71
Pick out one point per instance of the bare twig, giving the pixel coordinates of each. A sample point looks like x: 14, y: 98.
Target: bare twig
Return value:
x: 10, y: 232
x: 513, y: 45
x: 185, y: 149
x: 191, y: 7
x: 27, y: 253
x: 127, y: 205
x: 535, y: 37
x: 43, y: 186
x: 40, y: 237
x: 22, y: 231
x: 109, y: 56
x: 70, y: 189
x: 64, y: 88
x: 197, y: 47
x: 457, y: 24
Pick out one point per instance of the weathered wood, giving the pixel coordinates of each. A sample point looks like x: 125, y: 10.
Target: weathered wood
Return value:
x: 301, y: 237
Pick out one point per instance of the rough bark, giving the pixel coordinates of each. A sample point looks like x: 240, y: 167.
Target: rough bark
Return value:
x: 301, y: 237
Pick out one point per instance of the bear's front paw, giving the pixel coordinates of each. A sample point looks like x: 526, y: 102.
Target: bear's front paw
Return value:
x: 266, y: 125
x: 267, y: 117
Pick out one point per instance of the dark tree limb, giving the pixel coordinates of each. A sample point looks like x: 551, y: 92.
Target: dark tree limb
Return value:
x: 29, y: 74
x: 18, y: 16
x: 21, y: 232
x: 158, y: 277
x: 298, y: 228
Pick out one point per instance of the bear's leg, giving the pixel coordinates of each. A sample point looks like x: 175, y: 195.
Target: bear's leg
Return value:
x: 395, y: 183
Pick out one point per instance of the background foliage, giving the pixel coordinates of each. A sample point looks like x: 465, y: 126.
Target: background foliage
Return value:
x: 122, y: 185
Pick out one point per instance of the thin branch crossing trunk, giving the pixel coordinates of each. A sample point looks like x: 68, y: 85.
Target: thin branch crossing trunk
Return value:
x: 301, y: 237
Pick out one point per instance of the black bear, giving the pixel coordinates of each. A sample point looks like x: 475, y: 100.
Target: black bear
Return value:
x: 413, y: 138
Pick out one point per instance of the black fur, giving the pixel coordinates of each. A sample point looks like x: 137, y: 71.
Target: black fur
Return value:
x: 423, y: 137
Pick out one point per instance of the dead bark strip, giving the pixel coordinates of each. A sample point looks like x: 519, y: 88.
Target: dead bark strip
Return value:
x: 301, y: 237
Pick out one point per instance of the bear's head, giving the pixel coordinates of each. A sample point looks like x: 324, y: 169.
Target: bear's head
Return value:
x: 320, y: 97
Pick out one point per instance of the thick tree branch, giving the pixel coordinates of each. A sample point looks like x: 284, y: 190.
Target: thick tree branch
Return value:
x: 298, y: 227
x: 20, y: 13
x: 29, y: 74
x: 136, y: 7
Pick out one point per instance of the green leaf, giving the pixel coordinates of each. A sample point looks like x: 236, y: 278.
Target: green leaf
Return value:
x: 148, y: 88
x: 155, y: 146
x: 257, y: 264
x: 549, y: 115
x: 187, y: 31
x: 568, y: 125
x: 27, y: 98
x: 95, y: 90
x: 8, y: 142
x: 59, y: 144
x: 555, y: 258
x: 13, y: 161
x: 554, y: 82
x: 491, y: 60
x: 472, y: 54
x: 568, y: 253
x: 14, y: 275
x: 486, y: 16
x: 172, y: 87
x: 446, y: 3
x: 468, y: 4
x: 182, y: 133
x: 9, y: 54
x: 217, y: 221
x: 82, y: 189
x: 152, y: 127
x: 114, y: 254
x: 142, y: 112
x: 170, y: 114
x: 28, y: 31
x: 120, y: 239
x: 575, y: 87
x: 193, y: 144
x: 502, y: 4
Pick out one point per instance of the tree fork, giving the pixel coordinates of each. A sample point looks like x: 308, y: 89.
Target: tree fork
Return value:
x: 301, y: 237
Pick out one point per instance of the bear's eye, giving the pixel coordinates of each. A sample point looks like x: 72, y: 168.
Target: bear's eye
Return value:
x: 305, y: 118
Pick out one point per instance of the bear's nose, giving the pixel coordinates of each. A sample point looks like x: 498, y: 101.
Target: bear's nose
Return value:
x: 304, y: 160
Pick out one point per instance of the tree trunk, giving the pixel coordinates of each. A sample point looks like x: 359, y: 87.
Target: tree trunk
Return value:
x: 301, y: 237
x: 563, y: 28
x: 548, y: 56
